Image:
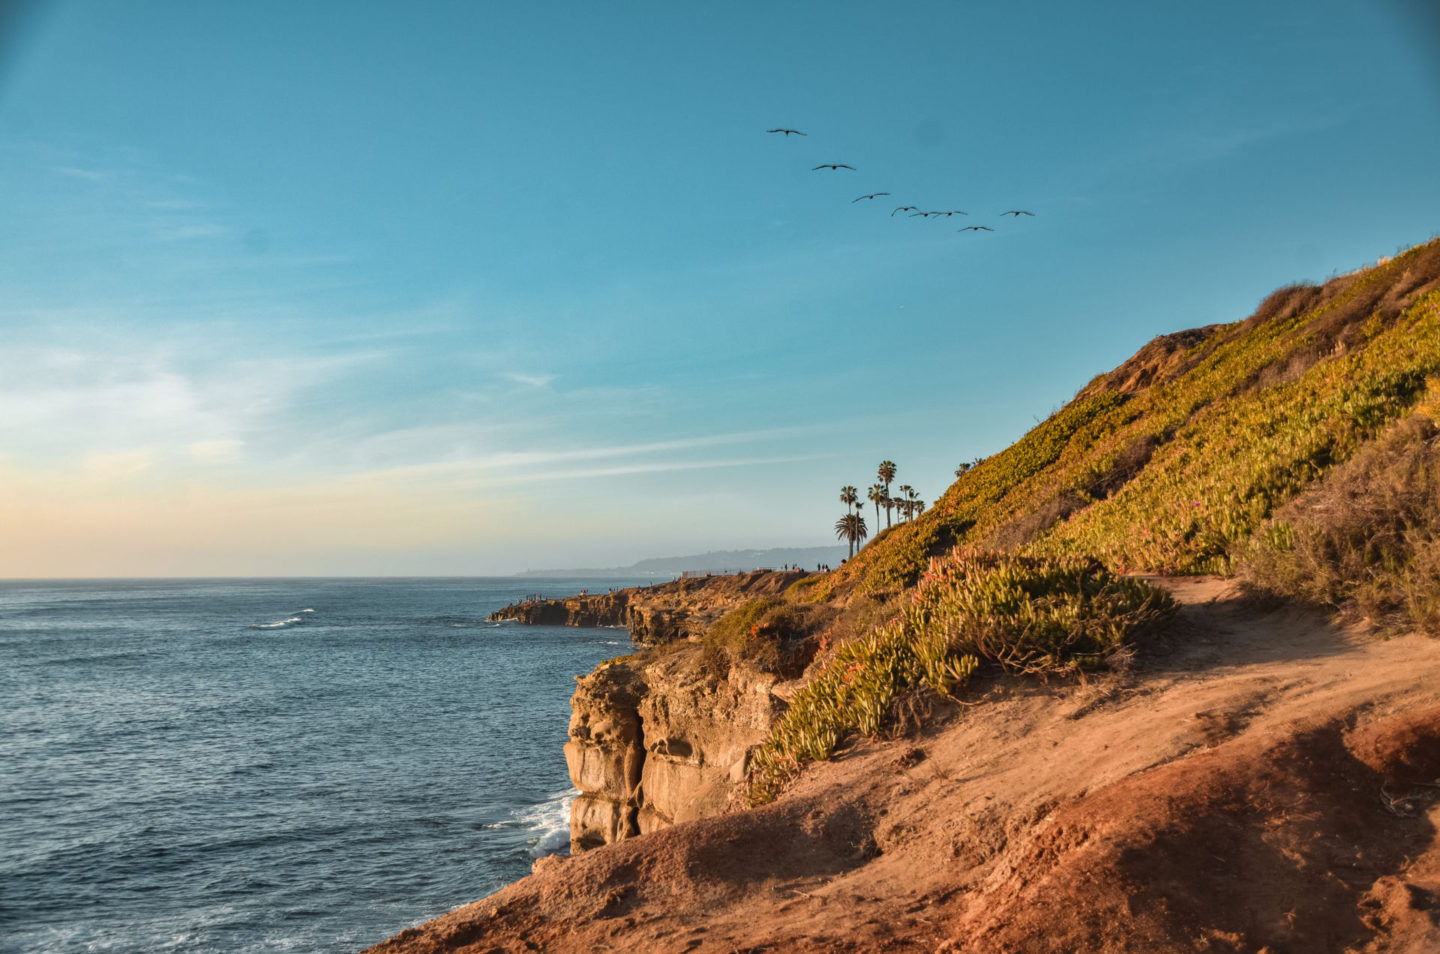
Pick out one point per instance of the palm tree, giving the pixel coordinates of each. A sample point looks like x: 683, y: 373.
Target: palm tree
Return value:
x: 849, y: 496
x: 907, y: 493
x: 886, y: 473
x: 876, y: 495
x: 851, y: 527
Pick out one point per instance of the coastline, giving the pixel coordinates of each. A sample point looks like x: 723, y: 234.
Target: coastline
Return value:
x: 1113, y: 795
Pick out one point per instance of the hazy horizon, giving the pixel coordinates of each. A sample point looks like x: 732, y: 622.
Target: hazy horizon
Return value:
x: 459, y: 289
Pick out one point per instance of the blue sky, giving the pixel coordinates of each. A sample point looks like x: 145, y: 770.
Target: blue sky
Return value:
x: 384, y: 288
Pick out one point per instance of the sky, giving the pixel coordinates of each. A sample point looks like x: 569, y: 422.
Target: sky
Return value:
x: 469, y: 288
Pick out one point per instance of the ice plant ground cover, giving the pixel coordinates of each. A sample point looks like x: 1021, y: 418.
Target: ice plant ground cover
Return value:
x: 1018, y: 613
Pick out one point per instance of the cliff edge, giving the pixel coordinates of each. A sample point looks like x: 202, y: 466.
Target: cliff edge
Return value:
x: 1256, y: 780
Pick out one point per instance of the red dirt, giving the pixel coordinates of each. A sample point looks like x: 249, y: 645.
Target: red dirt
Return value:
x: 1257, y: 783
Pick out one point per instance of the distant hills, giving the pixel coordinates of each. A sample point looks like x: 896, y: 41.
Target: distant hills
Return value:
x: 717, y: 561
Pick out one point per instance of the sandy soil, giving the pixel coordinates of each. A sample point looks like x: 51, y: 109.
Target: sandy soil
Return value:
x: 1257, y: 781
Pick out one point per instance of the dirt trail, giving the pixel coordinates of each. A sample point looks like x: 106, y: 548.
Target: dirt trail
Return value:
x: 1256, y: 782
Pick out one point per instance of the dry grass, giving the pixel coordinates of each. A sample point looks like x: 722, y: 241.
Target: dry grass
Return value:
x: 1366, y: 538
x: 769, y: 634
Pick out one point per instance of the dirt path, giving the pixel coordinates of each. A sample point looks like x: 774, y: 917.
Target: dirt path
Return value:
x: 1257, y: 781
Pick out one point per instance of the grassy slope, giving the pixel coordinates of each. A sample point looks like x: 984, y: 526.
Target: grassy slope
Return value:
x: 1176, y: 472
x: 1177, y: 461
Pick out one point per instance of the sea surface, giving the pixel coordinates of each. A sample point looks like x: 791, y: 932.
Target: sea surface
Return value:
x: 274, y: 765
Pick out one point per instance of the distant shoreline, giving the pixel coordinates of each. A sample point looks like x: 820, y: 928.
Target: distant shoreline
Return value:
x: 717, y: 562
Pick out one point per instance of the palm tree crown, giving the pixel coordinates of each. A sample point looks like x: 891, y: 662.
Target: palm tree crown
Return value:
x: 886, y: 472
x: 876, y: 495
x: 849, y: 496
x: 851, y: 528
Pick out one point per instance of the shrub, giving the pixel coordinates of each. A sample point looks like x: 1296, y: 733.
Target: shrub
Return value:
x: 1366, y: 538
x: 1020, y: 614
x: 767, y: 634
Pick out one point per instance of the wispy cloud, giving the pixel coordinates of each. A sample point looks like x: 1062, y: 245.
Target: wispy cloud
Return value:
x: 503, y: 468
x: 88, y: 175
x: 70, y: 402
x: 532, y: 380
x: 190, y: 231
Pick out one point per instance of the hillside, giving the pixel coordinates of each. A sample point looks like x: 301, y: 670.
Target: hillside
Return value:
x: 1157, y: 677
x: 1174, y: 460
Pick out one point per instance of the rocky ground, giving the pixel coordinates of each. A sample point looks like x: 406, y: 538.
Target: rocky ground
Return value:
x: 1257, y: 781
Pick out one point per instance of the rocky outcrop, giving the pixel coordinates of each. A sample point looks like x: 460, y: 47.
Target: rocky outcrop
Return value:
x: 605, y: 755
x: 602, y: 609
x: 663, y: 613
x: 658, y: 743
x: 665, y: 738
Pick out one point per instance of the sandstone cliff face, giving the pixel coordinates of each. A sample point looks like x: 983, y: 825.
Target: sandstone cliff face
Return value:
x: 660, y: 743
x: 605, y: 754
x: 662, y: 739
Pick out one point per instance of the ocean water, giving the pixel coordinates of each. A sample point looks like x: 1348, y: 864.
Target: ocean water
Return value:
x: 274, y: 765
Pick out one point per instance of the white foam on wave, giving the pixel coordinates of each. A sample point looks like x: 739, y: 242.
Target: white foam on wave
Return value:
x: 279, y: 624
x: 550, y: 821
x: 547, y: 824
x: 307, y: 611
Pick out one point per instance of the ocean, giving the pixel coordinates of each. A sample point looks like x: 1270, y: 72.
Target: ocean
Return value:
x: 274, y: 765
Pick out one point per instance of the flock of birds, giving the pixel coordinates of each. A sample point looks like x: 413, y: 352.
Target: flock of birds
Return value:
x: 914, y: 211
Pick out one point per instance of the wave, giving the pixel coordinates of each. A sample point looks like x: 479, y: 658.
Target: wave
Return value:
x: 300, y: 617
x: 280, y: 624
x: 547, y: 824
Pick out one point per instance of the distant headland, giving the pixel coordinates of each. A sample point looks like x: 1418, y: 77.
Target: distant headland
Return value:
x: 716, y: 561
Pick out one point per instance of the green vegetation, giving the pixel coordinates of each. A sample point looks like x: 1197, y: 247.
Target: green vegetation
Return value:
x: 1299, y: 447
x: 765, y: 634
x: 1172, y: 462
x: 1367, y: 537
x: 1023, y: 614
x: 1192, y: 509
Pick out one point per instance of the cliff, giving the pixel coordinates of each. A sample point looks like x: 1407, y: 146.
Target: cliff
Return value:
x: 989, y: 731
x: 656, y: 743
x: 665, y: 736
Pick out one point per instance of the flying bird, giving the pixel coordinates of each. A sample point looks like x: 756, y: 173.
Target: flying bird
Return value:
x: 954, y: 212
x: 976, y: 228
x: 787, y: 132
x: 870, y: 196
x: 925, y: 214
x: 905, y: 208
x: 1017, y: 213
x: 833, y: 165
